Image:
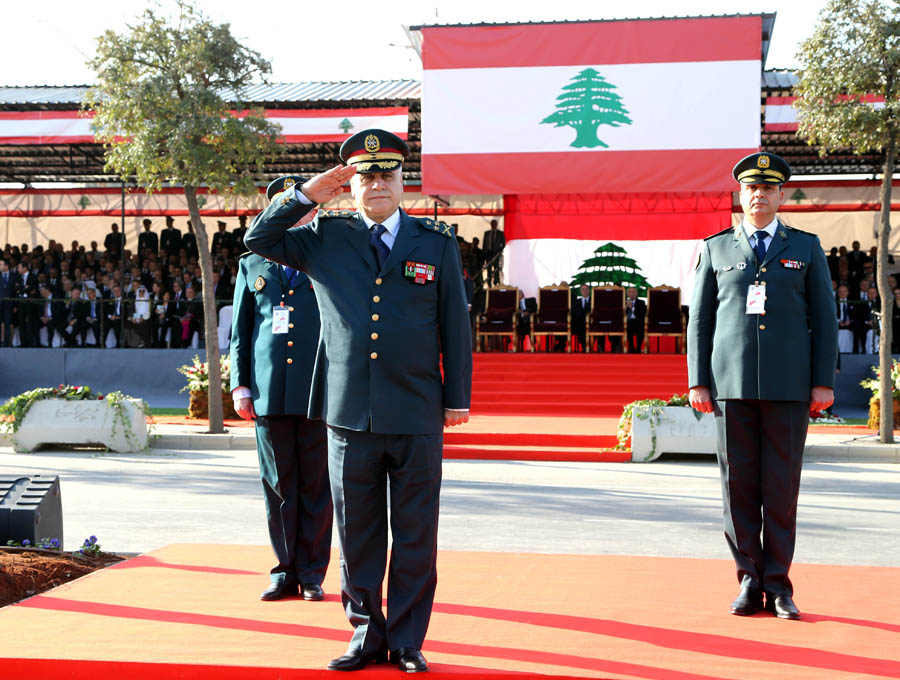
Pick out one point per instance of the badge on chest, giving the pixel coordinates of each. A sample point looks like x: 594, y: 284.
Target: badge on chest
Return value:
x: 419, y: 272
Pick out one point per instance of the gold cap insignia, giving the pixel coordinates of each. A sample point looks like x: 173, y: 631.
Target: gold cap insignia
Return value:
x: 260, y: 283
x: 762, y: 162
x: 372, y: 144
x: 288, y: 183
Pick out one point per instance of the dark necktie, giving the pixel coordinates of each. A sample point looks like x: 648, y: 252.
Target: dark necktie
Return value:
x: 379, y: 247
x: 290, y: 273
x: 760, y: 247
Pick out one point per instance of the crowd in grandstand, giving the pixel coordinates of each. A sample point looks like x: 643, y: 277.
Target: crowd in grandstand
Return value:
x: 150, y: 296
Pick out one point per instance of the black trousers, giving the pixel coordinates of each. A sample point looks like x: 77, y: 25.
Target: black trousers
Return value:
x: 293, y: 466
x: 361, y: 466
x: 635, y: 335
x: 760, y: 450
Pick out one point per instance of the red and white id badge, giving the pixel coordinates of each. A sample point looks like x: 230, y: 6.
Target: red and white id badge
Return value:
x: 280, y: 317
x: 756, y: 299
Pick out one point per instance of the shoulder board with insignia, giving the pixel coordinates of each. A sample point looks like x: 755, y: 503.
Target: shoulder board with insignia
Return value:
x: 729, y: 230
x: 336, y: 213
x: 799, y: 231
x: 430, y: 225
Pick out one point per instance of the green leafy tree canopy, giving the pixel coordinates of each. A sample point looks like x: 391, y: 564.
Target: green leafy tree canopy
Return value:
x: 852, y: 57
x: 160, y: 110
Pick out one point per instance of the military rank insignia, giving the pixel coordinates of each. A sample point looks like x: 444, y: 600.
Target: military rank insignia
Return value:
x: 259, y: 284
x: 419, y: 272
x: 793, y: 264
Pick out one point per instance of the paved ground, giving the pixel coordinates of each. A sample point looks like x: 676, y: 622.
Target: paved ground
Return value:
x: 849, y: 512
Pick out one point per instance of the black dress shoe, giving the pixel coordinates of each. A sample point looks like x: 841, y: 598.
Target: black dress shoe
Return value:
x: 277, y: 591
x: 748, y: 602
x: 356, y: 659
x: 312, y: 591
x: 782, y: 606
x: 409, y: 660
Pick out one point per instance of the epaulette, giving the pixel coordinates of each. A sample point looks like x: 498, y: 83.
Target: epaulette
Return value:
x: 724, y: 231
x: 441, y: 228
x: 243, y: 255
x: 336, y: 213
x: 799, y: 231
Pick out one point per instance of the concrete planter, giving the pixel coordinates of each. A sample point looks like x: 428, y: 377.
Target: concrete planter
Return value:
x: 59, y: 421
x: 670, y: 429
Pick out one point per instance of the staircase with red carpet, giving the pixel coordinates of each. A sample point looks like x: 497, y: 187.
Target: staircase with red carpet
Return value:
x: 592, y: 385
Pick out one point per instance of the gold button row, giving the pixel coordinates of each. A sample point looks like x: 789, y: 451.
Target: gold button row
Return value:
x: 375, y: 298
x: 378, y: 281
x: 290, y: 361
x: 373, y: 355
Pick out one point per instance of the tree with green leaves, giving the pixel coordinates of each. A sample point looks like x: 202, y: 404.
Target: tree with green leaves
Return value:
x: 167, y: 108
x: 853, y: 55
x: 611, y: 265
x: 585, y: 104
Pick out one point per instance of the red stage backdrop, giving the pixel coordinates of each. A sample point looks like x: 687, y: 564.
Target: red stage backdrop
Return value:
x: 636, y: 106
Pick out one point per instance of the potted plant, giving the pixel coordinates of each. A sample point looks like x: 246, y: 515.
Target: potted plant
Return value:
x: 874, y: 384
x: 197, y: 374
x: 75, y: 414
x: 656, y: 426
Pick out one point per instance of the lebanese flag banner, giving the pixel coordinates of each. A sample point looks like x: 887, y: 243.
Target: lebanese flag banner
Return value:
x: 298, y: 125
x: 781, y: 116
x: 643, y: 105
x: 548, y: 237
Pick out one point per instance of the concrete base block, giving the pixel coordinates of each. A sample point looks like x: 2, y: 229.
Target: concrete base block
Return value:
x: 58, y: 421
x: 675, y: 429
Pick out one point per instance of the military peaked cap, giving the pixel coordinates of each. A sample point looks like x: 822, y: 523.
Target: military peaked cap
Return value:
x: 762, y: 168
x: 374, y: 151
x: 276, y: 186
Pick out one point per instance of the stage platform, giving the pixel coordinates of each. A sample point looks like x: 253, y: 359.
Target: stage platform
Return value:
x: 191, y: 612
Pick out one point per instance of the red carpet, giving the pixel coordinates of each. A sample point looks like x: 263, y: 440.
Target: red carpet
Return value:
x: 191, y: 611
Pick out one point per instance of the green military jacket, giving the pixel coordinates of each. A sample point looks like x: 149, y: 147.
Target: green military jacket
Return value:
x: 386, y: 334
x: 277, y: 367
x: 780, y: 355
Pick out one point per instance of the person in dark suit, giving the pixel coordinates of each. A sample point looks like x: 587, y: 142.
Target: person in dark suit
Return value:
x: 147, y: 240
x: 274, y: 336
x: 170, y: 238
x: 192, y: 321
x: 175, y: 312
x: 7, y: 296
x: 93, y: 320
x: 27, y: 304
x: 635, y: 314
x: 114, y: 243
x: 393, y: 308
x: 239, y: 233
x: 581, y: 312
x: 189, y: 241
x: 116, y: 312
x: 762, y: 351
x: 221, y: 239
x: 51, y: 315
x: 492, y: 246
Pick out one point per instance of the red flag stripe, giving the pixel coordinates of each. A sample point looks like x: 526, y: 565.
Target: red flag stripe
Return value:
x: 608, y: 171
x: 269, y: 113
x: 598, y: 42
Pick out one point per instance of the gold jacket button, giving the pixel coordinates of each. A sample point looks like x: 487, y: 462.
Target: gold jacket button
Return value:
x: 374, y: 336
x: 290, y: 292
x: 290, y: 343
x: 373, y: 355
x: 376, y: 299
x: 762, y: 313
x: 290, y: 325
x: 375, y: 317
x: 290, y: 361
x: 378, y: 281
x: 762, y: 327
x: 290, y: 309
x: 763, y: 270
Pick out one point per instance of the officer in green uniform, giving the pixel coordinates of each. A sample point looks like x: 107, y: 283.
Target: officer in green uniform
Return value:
x: 274, y: 338
x: 762, y: 349
x: 393, y: 304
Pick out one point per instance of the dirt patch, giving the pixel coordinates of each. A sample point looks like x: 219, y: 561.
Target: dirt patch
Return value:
x: 25, y: 571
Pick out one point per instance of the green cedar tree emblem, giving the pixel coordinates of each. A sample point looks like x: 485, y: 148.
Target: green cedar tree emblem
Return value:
x: 611, y: 266
x: 798, y: 195
x: 84, y: 202
x: 585, y: 104
x: 345, y: 125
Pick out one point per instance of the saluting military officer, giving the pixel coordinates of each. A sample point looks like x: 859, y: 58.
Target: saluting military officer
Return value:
x: 274, y: 338
x: 393, y: 304
x: 762, y: 348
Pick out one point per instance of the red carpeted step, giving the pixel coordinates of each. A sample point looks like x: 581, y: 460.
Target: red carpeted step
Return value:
x: 598, y: 441
x: 537, y: 454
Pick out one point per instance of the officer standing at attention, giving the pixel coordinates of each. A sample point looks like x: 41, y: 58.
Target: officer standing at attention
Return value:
x: 390, y: 291
x: 762, y: 348
x: 274, y: 336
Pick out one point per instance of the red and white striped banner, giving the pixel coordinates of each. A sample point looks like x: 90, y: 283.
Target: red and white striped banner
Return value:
x: 647, y: 105
x: 781, y: 116
x: 298, y: 125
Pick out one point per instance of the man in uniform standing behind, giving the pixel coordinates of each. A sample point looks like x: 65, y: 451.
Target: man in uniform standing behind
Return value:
x: 274, y: 335
x: 762, y: 349
x: 390, y: 291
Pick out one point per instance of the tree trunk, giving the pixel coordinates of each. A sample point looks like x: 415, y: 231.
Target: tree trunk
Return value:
x: 886, y: 387
x: 210, y: 315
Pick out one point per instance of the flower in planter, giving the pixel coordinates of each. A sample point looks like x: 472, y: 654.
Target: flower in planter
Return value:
x: 197, y: 374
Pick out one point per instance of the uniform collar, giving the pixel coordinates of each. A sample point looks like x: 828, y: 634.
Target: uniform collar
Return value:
x: 770, y: 228
x: 391, y: 224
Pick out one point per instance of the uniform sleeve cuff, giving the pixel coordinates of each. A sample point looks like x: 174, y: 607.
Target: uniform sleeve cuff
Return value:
x: 300, y: 196
x: 241, y: 392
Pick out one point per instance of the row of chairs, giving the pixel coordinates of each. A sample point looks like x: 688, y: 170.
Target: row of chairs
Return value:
x: 551, y: 317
